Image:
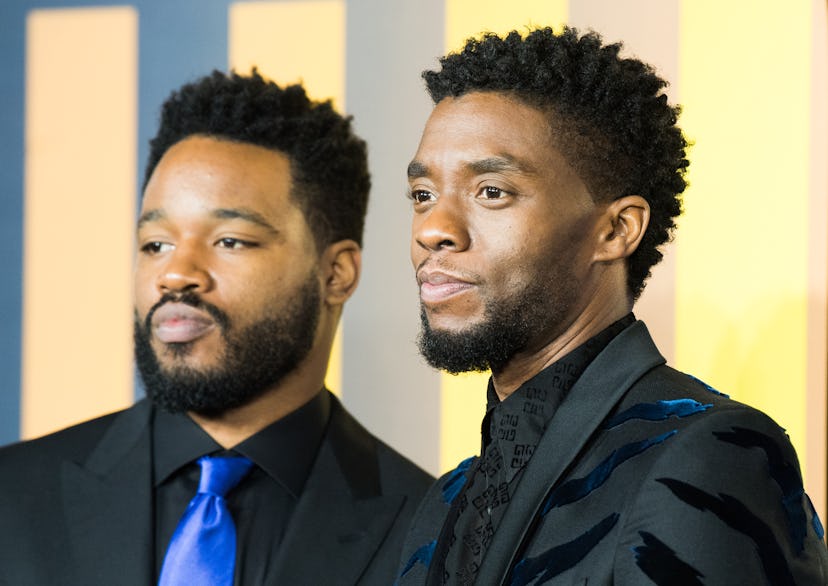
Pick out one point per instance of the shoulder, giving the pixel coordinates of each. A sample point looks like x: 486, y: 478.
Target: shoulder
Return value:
x: 422, y: 536
x: 722, y: 484
x: 31, y: 473
x: 374, y: 472
x: 72, y: 443
x: 355, y: 447
x: 698, y: 419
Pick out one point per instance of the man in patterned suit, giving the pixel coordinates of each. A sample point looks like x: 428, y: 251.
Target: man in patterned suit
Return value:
x: 548, y: 175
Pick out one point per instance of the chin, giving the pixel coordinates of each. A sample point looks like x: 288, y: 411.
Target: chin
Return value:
x: 193, y: 354
x: 451, y: 324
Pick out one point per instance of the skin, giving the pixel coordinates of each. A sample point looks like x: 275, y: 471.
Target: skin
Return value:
x: 218, y: 218
x: 496, y: 207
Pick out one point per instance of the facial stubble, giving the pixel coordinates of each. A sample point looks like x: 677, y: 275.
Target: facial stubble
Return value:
x: 508, y: 327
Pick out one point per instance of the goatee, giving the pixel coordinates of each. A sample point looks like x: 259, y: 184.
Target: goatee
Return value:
x: 509, y: 326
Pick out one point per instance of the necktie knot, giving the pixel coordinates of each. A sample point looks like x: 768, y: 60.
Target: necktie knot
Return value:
x: 220, y: 475
x: 203, y: 548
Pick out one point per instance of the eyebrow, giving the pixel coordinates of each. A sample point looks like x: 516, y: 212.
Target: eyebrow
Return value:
x: 150, y: 216
x: 417, y: 169
x: 499, y: 164
x: 245, y: 214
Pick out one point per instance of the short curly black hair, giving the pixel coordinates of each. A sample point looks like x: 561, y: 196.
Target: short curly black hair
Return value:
x: 329, y: 163
x: 609, y: 114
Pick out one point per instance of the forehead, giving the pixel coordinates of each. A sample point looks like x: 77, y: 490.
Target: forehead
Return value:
x: 484, y: 124
x: 211, y: 172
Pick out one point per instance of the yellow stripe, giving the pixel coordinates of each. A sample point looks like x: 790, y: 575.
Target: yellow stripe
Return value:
x: 80, y: 177
x: 742, y: 277
x: 293, y: 42
x: 463, y: 397
x: 469, y: 18
x: 815, y: 457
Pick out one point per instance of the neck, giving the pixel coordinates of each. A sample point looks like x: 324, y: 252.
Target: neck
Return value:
x: 587, y: 323
x: 232, y: 427
x: 236, y: 425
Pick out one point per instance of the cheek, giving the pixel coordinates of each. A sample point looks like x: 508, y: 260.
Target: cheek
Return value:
x: 144, y: 295
x: 417, y: 252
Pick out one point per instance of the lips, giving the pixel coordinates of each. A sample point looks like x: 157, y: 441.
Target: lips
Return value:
x: 438, y: 286
x: 177, y: 323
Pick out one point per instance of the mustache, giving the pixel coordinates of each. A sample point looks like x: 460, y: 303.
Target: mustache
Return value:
x: 193, y: 300
x: 441, y: 265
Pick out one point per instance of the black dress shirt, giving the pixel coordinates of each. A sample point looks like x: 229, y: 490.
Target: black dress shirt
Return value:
x: 264, y: 500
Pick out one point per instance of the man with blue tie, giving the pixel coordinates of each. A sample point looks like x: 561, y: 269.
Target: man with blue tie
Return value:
x: 239, y: 467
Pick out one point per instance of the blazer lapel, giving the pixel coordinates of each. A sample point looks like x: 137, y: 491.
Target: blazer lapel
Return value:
x: 342, y: 517
x: 602, y: 385
x: 108, y: 504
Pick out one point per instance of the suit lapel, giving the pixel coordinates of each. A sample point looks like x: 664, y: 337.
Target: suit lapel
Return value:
x: 602, y: 385
x: 342, y: 517
x: 108, y: 504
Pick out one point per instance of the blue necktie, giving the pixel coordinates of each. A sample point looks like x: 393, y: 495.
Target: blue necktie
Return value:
x: 203, y: 548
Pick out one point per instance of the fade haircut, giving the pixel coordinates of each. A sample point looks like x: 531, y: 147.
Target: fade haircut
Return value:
x: 328, y: 162
x: 609, y: 116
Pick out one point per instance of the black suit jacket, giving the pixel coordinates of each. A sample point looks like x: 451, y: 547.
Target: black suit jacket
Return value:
x: 644, y: 475
x: 76, y: 507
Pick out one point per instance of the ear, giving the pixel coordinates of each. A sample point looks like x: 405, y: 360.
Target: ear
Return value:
x: 342, y: 265
x: 622, y: 228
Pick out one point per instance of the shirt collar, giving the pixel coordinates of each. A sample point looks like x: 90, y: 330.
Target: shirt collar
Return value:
x: 285, y: 449
x: 542, y: 394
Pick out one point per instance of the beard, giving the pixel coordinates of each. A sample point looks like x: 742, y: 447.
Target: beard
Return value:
x: 509, y: 326
x: 255, y: 358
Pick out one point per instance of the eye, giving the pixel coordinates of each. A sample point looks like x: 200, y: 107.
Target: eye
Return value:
x: 156, y: 247
x: 420, y: 196
x: 234, y: 243
x: 492, y: 192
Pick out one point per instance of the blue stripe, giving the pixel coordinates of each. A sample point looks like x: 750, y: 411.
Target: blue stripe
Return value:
x: 456, y: 480
x: 784, y: 473
x: 12, y: 61
x: 707, y: 387
x: 178, y: 41
x: 659, y: 411
x: 578, y: 488
x: 559, y: 559
x: 423, y: 555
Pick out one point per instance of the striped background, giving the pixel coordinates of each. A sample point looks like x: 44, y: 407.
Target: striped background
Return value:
x: 740, y: 300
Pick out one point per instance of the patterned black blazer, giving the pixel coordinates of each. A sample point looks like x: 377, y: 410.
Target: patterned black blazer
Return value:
x: 644, y: 476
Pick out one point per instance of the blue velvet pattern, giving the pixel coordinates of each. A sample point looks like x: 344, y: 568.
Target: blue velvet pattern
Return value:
x: 560, y: 558
x: 815, y: 522
x: 578, y: 488
x: 707, y: 387
x: 423, y: 556
x: 659, y: 411
x: 782, y: 472
x: 455, y: 480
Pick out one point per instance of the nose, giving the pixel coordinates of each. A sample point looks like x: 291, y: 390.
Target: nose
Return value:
x: 184, y: 270
x: 442, y: 227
